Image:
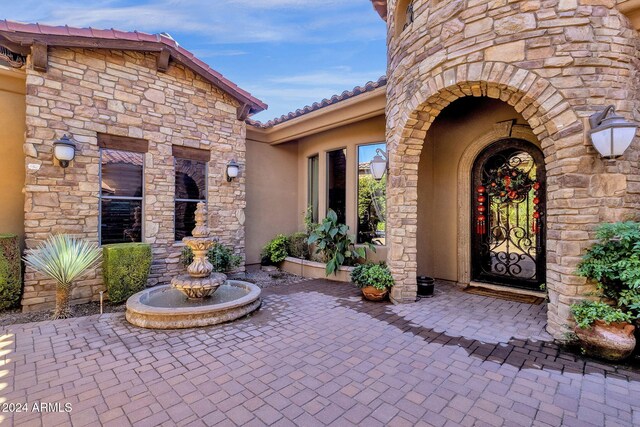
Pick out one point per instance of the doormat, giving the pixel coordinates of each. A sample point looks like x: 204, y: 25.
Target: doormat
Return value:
x: 508, y: 296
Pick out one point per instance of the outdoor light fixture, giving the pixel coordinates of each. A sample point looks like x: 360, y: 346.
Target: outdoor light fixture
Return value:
x: 232, y: 170
x: 64, y: 149
x: 610, y: 133
x: 378, y: 164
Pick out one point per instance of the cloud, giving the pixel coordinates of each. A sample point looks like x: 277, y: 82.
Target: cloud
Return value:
x: 222, y: 21
x: 338, y: 76
x: 288, y: 93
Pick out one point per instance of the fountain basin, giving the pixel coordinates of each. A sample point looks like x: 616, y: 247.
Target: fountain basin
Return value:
x: 164, y: 307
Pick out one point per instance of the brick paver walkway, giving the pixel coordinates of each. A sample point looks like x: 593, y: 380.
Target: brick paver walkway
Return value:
x: 316, y: 354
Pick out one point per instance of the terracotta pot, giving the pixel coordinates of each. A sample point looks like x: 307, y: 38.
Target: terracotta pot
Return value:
x: 373, y: 294
x: 611, y: 342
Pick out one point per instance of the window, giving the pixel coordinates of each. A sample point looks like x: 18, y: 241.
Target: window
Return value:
x: 191, y: 188
x: 337, y: 183
x: 121, y: 195
x: 312, y: 190
x: 372, y: 198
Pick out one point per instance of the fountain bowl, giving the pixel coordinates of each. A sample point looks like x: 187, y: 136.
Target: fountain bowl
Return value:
x: 164, y: 307
x: 198, y: 287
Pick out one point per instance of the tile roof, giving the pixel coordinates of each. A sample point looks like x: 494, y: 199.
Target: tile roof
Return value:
x: 25, y: 34
x: 347, y: 94
x: 381, y: 7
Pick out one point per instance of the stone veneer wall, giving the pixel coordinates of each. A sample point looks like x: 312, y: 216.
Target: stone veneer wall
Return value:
x: 85, y: 92
x: 556, y: 62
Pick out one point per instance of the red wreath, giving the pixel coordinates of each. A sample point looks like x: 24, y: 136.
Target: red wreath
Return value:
x: 509, y: 184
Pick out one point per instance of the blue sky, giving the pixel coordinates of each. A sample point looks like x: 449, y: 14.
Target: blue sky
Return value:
x: 289, y: 53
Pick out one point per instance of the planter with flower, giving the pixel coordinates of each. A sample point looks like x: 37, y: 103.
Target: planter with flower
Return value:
x: 613, y: 264
x: 374, y: 280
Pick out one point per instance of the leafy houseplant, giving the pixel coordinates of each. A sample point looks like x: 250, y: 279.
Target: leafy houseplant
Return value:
x: 375, y: 280
x: 587, y: 313
x: 125, y: 268
x: 338, y: 247
x: 275, y: 251
x: 64, y: 259
x: 221, y: 257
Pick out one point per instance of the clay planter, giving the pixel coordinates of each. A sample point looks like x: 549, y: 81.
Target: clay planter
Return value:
x: 611, y: 342
x: 373, y: 294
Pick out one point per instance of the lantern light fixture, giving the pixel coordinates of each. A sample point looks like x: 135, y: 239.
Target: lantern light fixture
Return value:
x: 610, y: 133
x: 233, y: 169
x: 64, y: 150
x: 378, y: 165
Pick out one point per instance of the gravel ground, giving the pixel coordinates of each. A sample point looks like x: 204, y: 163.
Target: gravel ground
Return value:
x: 264, y: 279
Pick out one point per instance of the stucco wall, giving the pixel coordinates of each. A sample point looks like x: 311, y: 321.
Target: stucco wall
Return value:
x: 453, y: 131
x: 277, y: 181
x: 85, y: 92
x: 349, y: 137
x: 272, y: 194
x: 12, y: 127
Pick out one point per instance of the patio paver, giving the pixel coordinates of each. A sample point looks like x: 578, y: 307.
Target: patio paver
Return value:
x: 317, y: 354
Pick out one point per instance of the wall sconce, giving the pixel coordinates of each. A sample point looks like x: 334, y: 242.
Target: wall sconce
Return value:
x: 378, y: 164
x: 233, y: 169
x: 64, y: 150
x: 610, y: 133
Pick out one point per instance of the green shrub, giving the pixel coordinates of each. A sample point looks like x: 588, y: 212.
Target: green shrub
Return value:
x: 10, y: 271
x: 614, y: 261
x: 276, y: 250
x: 332, y: 239
x: 221, y: 257
x: 298, y: 246
x: 125, y: 267
x: 587, y: 312
x: 376, y: 275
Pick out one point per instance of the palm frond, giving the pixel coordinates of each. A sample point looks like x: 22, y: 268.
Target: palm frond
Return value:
x: 63, y: 258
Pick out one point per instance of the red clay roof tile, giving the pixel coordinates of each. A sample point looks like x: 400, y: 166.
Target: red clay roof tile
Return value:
x: 347, y: 94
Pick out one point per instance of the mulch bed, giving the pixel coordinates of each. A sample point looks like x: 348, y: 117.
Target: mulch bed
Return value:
x: 261, y: 278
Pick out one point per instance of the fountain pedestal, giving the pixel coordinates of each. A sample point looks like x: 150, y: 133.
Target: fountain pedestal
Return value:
x: 199, y: 283
x: 210, y: 298
x: 195, y: 288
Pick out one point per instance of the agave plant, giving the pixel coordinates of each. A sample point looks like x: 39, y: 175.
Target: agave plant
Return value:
x: 63, y: 258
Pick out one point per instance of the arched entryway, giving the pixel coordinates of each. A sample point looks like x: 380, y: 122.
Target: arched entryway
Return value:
x: 552, y: 121
x: 508, y: 236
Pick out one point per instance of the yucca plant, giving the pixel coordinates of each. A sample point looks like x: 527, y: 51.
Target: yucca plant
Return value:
x: 63, y: 258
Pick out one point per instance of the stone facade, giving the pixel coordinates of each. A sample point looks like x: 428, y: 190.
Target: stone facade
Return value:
x: 85, y: 92
x: 556, y: 62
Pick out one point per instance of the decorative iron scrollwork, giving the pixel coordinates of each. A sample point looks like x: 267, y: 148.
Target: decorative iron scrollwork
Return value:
x: 508, y: 198
x: 15, y: 60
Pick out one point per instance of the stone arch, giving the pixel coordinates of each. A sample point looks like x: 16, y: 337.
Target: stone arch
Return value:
x: 500, y: 131
x: 550, y: 116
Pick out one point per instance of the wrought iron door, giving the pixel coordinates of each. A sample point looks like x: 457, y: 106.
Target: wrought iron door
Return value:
x: 508, y: 219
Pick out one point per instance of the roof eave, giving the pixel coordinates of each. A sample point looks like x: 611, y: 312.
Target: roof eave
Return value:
x: 22, y: 41
x: 381, y: 7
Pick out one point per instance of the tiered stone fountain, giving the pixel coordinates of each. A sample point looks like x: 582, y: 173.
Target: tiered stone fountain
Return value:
x: 199, y: 283
x: 199, y: 298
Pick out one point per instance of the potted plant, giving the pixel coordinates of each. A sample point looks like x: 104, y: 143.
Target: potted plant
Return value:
x: 604, y: 331
x: 613, y: 263
x: 374, y: 280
